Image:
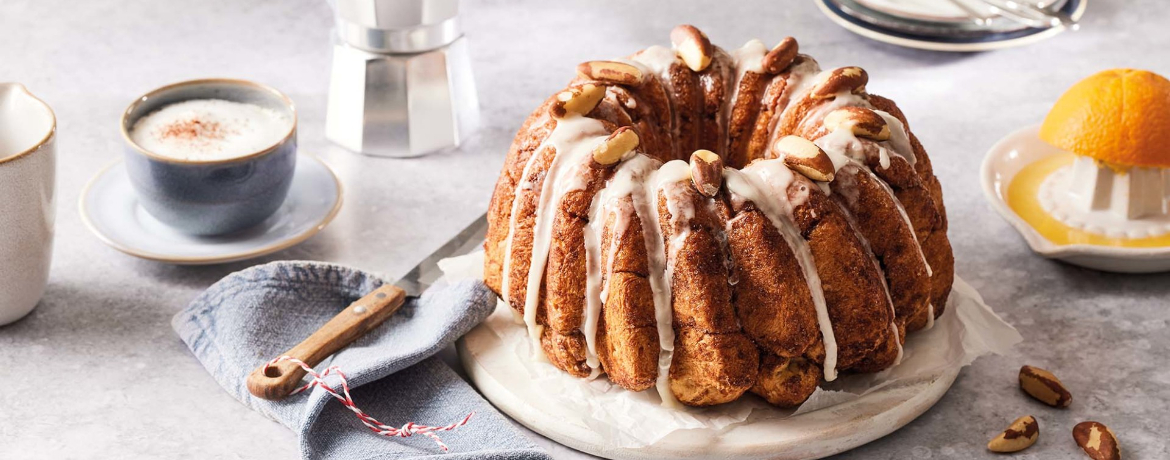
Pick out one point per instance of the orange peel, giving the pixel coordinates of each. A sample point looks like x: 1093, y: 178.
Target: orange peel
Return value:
x: 1120, y: 117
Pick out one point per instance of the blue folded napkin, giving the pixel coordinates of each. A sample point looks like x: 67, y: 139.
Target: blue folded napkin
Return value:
x: 254, y: 315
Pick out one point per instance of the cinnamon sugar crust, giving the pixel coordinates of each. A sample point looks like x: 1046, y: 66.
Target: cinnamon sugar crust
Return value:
x: 741, y: 307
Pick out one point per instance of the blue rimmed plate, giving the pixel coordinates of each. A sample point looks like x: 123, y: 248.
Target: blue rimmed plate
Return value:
x: 952, y: 43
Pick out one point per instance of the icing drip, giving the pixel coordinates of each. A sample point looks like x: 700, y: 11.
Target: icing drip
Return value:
x: 897, y: 340
x: 657, y: 59
x: 899, y: 140
x: 929, y: 316
x: 765, y: 183
x: 679, y: 205
x: 594, y: 292
x: 505, y: 288
x: 749, y: 58
x: 573, y: 138
x: 645, y: 198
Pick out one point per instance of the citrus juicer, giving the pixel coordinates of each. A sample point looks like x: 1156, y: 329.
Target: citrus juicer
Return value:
x: 401, y: 82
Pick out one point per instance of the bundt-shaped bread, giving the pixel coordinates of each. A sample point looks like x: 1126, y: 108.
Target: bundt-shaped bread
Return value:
x: 711, y: 223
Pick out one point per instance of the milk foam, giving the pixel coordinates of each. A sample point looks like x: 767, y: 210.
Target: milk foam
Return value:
x: 209, y: 130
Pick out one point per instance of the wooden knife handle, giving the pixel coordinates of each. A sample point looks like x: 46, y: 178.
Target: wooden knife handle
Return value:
x: 275, y: 382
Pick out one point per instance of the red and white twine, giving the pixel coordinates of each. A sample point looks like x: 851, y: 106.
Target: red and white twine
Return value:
x: 373, y: 424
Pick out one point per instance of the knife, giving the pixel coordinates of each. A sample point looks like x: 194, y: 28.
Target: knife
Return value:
x: 277, y: 379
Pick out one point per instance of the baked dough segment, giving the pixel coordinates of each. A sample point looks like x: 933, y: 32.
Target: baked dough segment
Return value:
x: 889, y: 235
x: 715, y: 85
x: 786, y: 382
x: 742, y: 121
x: 772, y: 298
x: 627, y: 333
x: 933, y: 240
x: 537, y: 127
x: 855, y: 293
x: 563, y: 301
x: 687, y: 99
x: 777, y: 95
x: 523, y: 229
x: 713, y: 361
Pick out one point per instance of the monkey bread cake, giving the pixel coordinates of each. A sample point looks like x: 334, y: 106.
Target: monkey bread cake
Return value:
x: 709, y: 222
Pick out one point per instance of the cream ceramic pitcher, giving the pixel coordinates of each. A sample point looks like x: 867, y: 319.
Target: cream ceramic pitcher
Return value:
x: 28, y: 161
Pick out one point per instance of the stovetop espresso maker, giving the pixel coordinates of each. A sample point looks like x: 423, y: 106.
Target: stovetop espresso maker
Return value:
x: 401, y: 82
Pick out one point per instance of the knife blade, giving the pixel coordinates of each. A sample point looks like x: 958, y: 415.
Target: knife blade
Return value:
x: 427, y: 271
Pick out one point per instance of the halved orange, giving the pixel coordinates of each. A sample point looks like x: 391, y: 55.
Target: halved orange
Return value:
x: 1118, y: 116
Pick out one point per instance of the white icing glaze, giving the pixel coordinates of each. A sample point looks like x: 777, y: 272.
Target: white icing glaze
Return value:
x: 594, y: 292
x: 843, y: 148
x: 802, y: 77
x: 765, y: 183
x: 899, y: 140
x: 645, y: 199
x: 656, y: 59
x: 929, y: 316
x: 749, y: 58
x: 673, y: 181
x: 573, y: 138
x: 897, y: 340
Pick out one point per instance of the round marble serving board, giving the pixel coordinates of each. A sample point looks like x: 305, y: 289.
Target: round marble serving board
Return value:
x: 495, y: 370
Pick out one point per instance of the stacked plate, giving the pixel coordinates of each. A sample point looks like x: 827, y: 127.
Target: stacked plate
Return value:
x: 955, y: 25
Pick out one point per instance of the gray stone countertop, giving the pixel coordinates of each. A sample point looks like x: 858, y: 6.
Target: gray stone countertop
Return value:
x: 96, y: 370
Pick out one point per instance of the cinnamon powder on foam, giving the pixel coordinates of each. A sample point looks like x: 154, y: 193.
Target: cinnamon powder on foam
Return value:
x: 195, y: 131
x: 209, y: 129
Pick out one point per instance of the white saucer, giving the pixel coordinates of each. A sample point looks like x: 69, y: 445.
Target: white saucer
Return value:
x: 109, y: 207
x: 1024, y: 147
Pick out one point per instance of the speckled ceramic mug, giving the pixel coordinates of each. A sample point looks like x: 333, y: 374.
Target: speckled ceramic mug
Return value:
x: 28, y: 170
x: 212, y: 197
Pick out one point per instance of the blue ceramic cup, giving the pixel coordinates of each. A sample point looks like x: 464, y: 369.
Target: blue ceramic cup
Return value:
x: 212, y: 197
